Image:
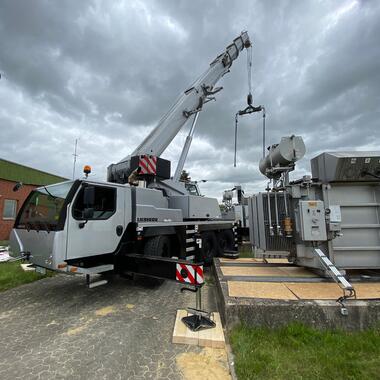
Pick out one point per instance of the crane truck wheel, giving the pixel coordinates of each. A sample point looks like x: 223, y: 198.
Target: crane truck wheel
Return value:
x: 226, y: 241
x: 157, y: 246
x: 209, y: 248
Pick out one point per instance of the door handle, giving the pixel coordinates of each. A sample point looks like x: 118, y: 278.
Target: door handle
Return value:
x: 119, y: 230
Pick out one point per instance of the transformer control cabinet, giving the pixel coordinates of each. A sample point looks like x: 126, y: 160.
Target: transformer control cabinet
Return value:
x: 312, y: 221
x: 335, y: 218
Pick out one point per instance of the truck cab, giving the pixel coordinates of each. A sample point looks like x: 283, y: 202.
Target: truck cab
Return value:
x: 57, y: 223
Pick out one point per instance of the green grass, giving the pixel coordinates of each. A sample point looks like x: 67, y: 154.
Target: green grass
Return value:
x: 12, y: 275
x: 299, y: 352
x: 245, y: 250
x: 4, y: 242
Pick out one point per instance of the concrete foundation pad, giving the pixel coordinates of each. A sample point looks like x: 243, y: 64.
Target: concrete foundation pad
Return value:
x: 274, y: 304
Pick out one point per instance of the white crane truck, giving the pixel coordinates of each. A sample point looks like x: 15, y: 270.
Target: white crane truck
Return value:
x: 86, y: 226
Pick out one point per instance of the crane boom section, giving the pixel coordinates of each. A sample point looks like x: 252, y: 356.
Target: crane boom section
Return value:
x: 188, y: 103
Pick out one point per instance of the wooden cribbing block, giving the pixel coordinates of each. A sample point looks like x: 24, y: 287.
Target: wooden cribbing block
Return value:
x: 206, y: 338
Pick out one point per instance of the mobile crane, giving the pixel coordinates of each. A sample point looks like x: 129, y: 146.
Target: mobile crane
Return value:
x: 86, y: 226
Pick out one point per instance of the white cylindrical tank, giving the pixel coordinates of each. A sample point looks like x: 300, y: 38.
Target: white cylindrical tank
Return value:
x: 287, y: 152
x: 227, y: 195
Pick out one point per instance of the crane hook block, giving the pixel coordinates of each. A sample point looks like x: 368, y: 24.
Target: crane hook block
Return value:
x: 249, y: 99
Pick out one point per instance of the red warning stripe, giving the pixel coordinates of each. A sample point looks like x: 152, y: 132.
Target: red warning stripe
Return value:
x: 178, y: 276
x: 190, y: 274
x: 148, y: 164
x: 199, y: 270
x: 144, y: 169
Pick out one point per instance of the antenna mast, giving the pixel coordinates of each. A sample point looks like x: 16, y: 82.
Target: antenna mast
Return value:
x: 75, y: 157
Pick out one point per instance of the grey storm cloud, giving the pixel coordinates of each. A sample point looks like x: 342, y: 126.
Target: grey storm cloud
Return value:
x: 105, y: 72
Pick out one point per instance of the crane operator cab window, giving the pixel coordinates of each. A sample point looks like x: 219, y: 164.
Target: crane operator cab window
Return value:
x: 192, y: 188
x: 104, y: 203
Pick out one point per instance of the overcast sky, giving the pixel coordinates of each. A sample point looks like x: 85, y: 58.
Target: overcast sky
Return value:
x: 105, y: 72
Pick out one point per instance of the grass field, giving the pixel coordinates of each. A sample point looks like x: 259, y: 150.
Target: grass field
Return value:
x: 12, y: 275
x: 245, y: 250
x: 299, y: 352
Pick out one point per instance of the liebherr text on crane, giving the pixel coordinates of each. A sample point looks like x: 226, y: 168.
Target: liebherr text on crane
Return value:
x: 86, y: 226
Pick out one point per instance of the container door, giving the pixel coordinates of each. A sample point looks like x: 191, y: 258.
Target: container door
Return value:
x: 95, y: 228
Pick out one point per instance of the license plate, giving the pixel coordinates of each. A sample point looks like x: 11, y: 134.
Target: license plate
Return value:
x: 40, y: 270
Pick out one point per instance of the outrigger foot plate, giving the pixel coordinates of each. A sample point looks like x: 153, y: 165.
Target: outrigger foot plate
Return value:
x: 199, y: 320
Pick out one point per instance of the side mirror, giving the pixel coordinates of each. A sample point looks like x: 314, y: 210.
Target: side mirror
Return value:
x: 89, y: 196
x: 88, y: 213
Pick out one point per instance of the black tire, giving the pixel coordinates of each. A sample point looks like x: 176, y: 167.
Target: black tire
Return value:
x: 158, y: 246
x: 209, y: 248
x: 226, y: 241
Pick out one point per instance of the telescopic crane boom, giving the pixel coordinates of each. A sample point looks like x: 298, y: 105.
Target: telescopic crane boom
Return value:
x: 188, y: 103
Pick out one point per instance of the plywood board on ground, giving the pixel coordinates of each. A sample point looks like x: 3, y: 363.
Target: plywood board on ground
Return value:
x: 252, y: 271
x: 267, y: 271
x: 205, y: 338
x: 299, y: 290
x: 367, y: 291
x: 267, y: 290
x: 315, y: 291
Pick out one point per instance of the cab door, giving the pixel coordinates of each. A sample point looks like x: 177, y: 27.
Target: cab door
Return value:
x: 98, y: 232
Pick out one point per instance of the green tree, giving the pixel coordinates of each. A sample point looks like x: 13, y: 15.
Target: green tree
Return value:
x: 185, y: 176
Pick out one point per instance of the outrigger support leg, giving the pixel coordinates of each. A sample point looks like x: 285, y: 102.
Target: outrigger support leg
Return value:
x: 199, y: 319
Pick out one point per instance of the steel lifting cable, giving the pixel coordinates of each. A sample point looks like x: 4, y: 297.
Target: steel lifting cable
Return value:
x: 236, y: 125
x: 264, y: 115
x: 250, y: 108
x: 240, y: 113
x: 249, y: 69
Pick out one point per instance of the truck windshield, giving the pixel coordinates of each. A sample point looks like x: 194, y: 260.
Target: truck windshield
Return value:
x: 43, y: 207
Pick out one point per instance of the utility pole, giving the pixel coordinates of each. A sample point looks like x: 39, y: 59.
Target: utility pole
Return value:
x: 75, y: 157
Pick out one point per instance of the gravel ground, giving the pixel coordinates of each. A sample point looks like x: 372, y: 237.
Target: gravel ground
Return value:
x: 57, y: 328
